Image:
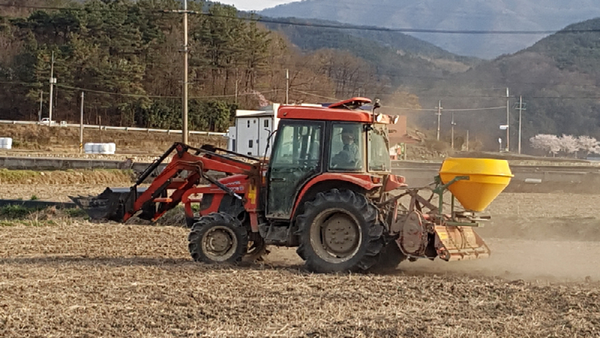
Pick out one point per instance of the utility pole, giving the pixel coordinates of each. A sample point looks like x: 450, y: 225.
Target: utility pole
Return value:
x: 41, y: 105
x: 507, y: 120
x: 520, y: 111
x: 287, y: 86
x: 467, y: 139
x: 184, y: 130
x: 81, y: 125
x: 52, y: 82
x: 439, y: 115
x: 452, y: 133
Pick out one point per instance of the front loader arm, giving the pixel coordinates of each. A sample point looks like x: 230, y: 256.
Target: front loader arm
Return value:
x: 184, y: 172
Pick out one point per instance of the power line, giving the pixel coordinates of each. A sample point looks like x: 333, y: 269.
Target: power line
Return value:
x: 154, y: 96
x: 359, y: 7
x: 407, y: 108
x: 37, y: 84
x: 332, y: 26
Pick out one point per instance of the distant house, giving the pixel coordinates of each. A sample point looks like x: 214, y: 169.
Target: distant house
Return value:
x: 398, y: 133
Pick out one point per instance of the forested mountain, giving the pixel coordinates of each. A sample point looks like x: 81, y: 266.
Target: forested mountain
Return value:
x: 398, y: 58
x: 558, y: 78
x: 482, y: 15
x: 301, y: 32
x: 126, y: 56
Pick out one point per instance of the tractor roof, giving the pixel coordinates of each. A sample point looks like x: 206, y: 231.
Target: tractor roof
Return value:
x: 347, y: 110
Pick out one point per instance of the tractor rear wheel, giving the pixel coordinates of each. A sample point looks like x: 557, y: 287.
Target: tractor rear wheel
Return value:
x: 339, y: 231
x: 389, y: 258
x: 218, y: 238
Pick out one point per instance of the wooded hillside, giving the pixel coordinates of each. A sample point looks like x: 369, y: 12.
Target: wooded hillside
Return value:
x: 126, y: 56
x: 558, y: 78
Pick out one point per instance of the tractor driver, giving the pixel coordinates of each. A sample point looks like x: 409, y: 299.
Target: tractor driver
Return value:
x: 348, y: 157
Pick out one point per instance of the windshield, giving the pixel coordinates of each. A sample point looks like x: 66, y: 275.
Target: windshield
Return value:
x: 379, y: 150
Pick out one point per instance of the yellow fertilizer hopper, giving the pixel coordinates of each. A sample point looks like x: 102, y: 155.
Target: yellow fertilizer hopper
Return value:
x: 484, y: 179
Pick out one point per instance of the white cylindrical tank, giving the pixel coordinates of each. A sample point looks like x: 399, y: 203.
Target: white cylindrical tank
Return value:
x: 88, y: 148
x: 5, y: 143
x: 100, y: 148
x: 103, y: 148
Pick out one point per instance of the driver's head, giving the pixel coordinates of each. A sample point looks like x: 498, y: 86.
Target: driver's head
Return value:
x: 347, y: 135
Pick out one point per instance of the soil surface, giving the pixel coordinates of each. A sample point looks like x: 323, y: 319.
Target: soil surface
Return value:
x: 82, y: 279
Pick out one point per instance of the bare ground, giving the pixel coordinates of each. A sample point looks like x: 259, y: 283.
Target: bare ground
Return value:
x: 80, y: 279
x: 138, y: 281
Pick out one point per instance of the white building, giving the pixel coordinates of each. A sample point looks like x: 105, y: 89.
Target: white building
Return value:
x: 252, y: 129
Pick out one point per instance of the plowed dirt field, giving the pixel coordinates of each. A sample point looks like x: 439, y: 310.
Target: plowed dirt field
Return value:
x: 79, y: 279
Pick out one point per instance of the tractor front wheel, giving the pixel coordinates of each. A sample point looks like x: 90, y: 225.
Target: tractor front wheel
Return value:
x: 339, y: 231
x: 218, y: 238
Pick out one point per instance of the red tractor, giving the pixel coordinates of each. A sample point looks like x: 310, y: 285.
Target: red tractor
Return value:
x: 327, y: 190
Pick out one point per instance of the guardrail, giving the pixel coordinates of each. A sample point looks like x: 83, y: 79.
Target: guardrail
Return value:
x: 97, y: 127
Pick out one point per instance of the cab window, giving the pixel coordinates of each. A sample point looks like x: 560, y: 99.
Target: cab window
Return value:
x: 346, y: 149
x: 298, y: 145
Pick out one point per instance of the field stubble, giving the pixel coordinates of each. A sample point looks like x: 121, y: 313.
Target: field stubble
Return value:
x: 86, y: 279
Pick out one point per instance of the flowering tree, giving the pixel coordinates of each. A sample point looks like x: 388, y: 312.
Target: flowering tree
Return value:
x: 546, y: 142
x: 588, y: 145
x: 569, y: 144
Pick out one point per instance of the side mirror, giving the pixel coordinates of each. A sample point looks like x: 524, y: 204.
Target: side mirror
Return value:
x: 377, y: 104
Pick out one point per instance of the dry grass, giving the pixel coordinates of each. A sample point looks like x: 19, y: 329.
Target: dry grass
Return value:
x: 89, y: 280
x: 101, y: 176
x: 66, y: 140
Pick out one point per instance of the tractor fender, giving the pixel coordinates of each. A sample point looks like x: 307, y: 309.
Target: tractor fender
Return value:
x: 328, y: 181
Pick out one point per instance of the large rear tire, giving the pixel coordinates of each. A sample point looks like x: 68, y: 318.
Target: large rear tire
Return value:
x: 339, y: 231
x: 218, y: 238
x: 389, y: 258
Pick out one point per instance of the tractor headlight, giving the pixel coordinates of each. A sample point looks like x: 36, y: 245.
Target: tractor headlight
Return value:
x: 379, y: 118
x: 395, y: 119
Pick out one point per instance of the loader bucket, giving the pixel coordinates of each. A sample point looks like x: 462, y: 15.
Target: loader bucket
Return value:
x: 487, y: 179
x: 109, y: 205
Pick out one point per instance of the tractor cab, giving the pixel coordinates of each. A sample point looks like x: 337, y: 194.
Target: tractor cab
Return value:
x: 342, y: 145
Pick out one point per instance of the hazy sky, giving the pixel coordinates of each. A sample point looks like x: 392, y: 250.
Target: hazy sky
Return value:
x: 256, y: 5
